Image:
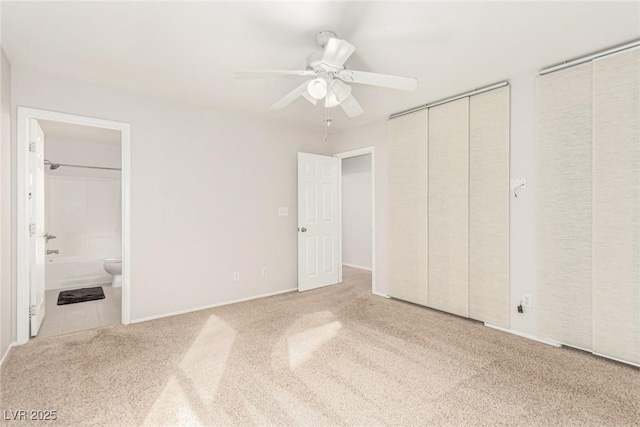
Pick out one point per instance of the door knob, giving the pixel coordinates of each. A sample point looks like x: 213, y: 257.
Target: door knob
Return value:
x: 303, y: 229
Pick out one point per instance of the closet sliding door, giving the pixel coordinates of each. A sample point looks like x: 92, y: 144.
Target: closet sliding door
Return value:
x: 449, y: 207
x: 616, y: 206
x: 407, y: 232
x: 489, y: 207
x: 564, y: 220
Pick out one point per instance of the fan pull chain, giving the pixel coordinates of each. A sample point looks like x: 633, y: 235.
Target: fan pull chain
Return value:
x: 326, y: 131
x: 327, y: 123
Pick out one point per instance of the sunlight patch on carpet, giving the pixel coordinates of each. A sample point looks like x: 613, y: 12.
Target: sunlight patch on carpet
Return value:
x: 189, y: 393
x: 303, y: 344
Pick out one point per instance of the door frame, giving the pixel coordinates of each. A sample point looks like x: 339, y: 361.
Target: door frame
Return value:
x: 23, y: 288
x: 345, y: 155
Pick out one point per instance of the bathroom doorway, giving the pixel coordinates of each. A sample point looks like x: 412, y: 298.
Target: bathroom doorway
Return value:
x: 73, y: 259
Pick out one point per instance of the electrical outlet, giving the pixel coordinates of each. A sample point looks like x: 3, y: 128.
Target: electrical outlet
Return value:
x: 236, y: 276
x: 527, y: 301
x: 283, y: 211
x: 264, y: 272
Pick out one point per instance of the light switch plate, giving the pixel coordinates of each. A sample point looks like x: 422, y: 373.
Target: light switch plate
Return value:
x: 283, y: 211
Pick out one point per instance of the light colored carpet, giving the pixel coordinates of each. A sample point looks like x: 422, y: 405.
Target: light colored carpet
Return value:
x: 334, y: 356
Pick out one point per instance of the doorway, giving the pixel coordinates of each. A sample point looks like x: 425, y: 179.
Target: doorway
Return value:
x: 73, y: 186
x: 356, y: 187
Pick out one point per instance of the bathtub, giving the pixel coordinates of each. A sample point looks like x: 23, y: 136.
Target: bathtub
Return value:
x: 71, y: 271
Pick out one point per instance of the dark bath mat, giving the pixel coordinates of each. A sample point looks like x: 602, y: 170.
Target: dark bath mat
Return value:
x: 80, y: 295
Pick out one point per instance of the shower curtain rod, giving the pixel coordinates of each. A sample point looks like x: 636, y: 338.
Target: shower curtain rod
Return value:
x: 80, y: 166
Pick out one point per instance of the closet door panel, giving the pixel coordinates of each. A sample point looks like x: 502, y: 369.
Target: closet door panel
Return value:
x: 489, y: 207
x: 616, y: 206
x: 449, y: 207
x: 407, y: 226
x: 564, y: 199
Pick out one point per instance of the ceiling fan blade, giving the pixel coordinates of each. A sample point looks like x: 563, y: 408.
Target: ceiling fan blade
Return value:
x: 351, y: 107
x: 336, y: 52
x: 273, y: 73
x: 381, y: 80
x: 290, y: 97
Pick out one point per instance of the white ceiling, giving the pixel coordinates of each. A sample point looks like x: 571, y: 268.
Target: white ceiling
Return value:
x: 188, y: 51
x: 69, y: 132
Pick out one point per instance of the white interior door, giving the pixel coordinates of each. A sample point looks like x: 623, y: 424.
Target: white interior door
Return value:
x: 318, y: 257
x: 36, y: 226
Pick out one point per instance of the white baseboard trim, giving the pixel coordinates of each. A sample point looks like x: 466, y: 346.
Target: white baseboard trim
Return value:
x: 356, y: 266
x: 522, y: 334
x: 380, y: 294
x: 6, y: 353
x: 205, y: 307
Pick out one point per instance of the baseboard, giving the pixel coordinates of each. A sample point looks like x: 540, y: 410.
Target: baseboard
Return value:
x: 205, y: 307
x: 356, y: 266
x: 6, y: 353
x: 522, y: 334
x: 380, y: 294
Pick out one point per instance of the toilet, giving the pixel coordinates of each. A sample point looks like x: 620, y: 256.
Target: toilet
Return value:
x: 113, y: 266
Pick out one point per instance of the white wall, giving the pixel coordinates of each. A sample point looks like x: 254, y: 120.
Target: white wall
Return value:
x: 356, y: 211
x: 522, y: 250
x: 6, y: 294
x: 205, y: 193
x: 84, y: 213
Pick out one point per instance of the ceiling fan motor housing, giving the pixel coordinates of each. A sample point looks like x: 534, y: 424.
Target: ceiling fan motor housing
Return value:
x: 314, y: 60
x: 322, y: 38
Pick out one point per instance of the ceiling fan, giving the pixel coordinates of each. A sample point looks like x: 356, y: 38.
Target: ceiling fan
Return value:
x: 329, y: 76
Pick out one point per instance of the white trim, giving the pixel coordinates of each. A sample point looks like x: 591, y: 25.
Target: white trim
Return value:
x: 205, y: 307
x: 6, y: 353
x: 355, y: 153
x: 359, y: 267
x: 345, y: 155
x: 22, y: 177
x: 380, y: 294
x: 522, y: 334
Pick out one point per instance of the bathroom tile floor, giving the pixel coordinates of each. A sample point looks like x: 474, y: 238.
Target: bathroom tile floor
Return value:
x: 63, y: 319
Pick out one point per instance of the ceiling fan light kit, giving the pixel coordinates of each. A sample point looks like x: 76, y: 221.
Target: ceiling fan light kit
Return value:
x: 317, y: 88
x: 327, y: 67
